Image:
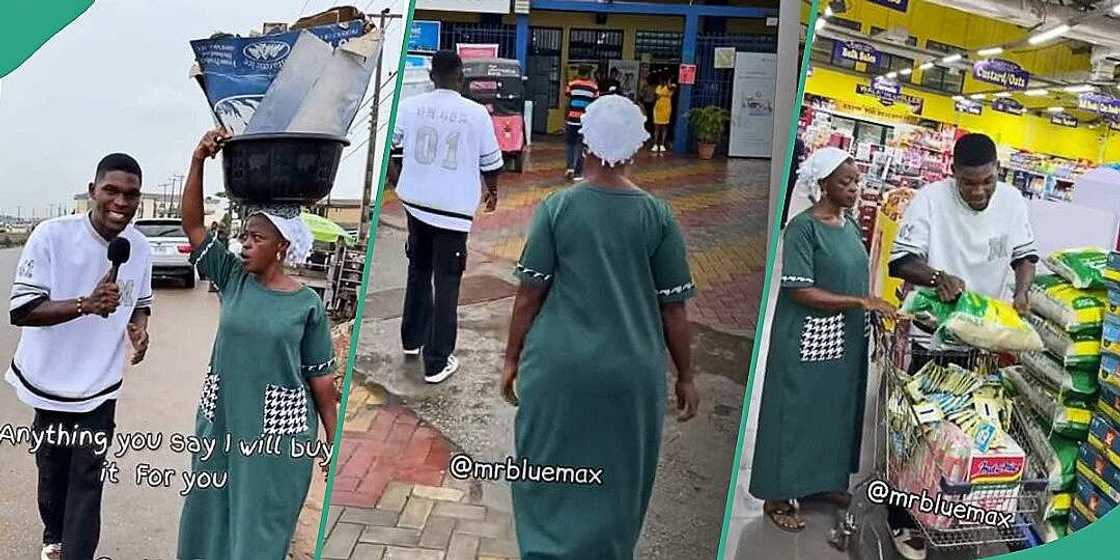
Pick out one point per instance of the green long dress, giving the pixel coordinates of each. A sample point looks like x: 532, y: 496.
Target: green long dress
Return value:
x: 811, y: 417
x: 592, y: 375
x: 269, y: 345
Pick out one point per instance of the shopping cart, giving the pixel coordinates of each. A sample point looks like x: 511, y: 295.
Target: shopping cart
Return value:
x: 898, y: 439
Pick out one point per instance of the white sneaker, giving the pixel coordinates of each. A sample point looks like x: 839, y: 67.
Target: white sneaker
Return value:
x: 51, y: 552
x: 451, y: 367
x: 578, y: 179
x: 411, y: 353
x: 909, y: 545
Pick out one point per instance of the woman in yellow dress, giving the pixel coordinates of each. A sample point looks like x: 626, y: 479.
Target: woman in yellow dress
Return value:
x: 662, y: 113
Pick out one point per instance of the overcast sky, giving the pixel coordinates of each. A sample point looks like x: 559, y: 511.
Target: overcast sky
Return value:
x: 116, y: 80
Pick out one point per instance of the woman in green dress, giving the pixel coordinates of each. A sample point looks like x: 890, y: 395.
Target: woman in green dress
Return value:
x: 811, y: 418
x: 267, y: 386
x: 601, y: 307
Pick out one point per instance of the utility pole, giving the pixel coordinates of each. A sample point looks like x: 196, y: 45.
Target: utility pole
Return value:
x: 367, y: 190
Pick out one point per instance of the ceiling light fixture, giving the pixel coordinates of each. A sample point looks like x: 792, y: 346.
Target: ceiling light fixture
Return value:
x: 926, y: 66
x: 958, y: 98
x: 952, y: 58
x: 1085, y: 88
x: 1003, y: 94
x: 1036, y: 92
x: 906, y: 71
x: 1049, y: 34
x: 990, y: 52
x: 892, y: 75
x: 978, y: 96
x: 1056, y: 109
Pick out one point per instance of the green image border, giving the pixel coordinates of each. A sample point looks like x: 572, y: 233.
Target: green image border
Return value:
x: 1098, y: 539
x: 371, y: 243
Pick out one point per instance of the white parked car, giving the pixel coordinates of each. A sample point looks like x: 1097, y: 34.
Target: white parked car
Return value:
x: 171, y: 250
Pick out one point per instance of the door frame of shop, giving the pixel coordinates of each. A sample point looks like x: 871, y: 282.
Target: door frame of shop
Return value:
x: 691, y: 13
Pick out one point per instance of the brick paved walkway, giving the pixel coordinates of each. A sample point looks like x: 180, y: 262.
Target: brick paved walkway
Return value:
x: 393, y: 499
x: 720, y: 204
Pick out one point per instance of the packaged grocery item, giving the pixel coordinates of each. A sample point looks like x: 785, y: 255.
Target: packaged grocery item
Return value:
x: 1081, y: 350
x: 1064, y: 414
x: 1077, y: 521
x: 1105, y: 439
x: 1108, y: 403
x: 1058, y: 505
x: 1081, y: 267
x: 1110, y: 337
x: 1110, y: 369
x: 1058, y: 454
x: 1090, y: 502
x: 1094, y: 468
x: 1072, y: 309
x: 1054, y: 529
x: 974, y: 319
x: 1045, y: 367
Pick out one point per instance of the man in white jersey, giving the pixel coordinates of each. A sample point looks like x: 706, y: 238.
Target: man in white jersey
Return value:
x: 965, y: 232
x: 76, y: 320
x: 446, y: 141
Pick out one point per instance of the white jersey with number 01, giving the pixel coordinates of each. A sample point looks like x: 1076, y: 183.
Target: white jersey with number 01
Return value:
x: 447, y: 141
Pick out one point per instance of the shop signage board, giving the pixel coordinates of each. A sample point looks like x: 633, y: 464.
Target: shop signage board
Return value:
x: 900, y: 5
x: 468, y: 51
x: 724, y: 57
x: 1001, y: 72
x: 1099, y: 103
x: 1011, y: 106
x: 752, y: 105
x: 890, y: 93
x: 857, y: 51
x: 1062, y: 119
x: 473, y: 6
x: 424, y: 37
x: 969, y: 107
x: 687, y: 75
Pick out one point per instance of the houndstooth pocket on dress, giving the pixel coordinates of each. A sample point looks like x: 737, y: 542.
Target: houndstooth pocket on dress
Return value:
x: 208, y: 403
x: 822, y: 338
x: 285, y: 411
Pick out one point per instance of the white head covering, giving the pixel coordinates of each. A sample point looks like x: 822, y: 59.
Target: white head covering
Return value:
x: 291, y: 228
x: 817, y: 167
x: 613, y: 129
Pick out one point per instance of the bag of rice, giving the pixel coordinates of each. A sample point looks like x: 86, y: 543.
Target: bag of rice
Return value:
x: 1082, y: 267
x: 1080, y: 350
x: 974, y: 319
x: 1058, y: 454
x: 1044, y: 367
x: 1063, y: 414
x: 1070, y: 308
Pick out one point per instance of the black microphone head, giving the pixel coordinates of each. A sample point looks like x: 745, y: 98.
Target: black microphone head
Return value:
x: 119, y: 250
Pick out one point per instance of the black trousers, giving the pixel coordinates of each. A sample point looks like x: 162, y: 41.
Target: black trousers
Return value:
x: 899, y: 517
x: 436, y: 260
x: 70, y: 482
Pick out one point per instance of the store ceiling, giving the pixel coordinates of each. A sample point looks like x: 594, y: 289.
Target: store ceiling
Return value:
x: 1044, y: 23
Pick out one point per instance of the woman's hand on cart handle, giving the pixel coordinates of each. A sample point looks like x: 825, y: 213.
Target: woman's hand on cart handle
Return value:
x: 879, y: 307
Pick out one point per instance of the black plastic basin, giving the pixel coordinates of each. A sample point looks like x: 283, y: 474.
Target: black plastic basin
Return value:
x: 285, y: 168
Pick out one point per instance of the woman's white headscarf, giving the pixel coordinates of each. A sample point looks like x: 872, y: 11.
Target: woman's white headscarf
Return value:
x: 817, y: 167
x: 291, y: 228
x: 613, y: 129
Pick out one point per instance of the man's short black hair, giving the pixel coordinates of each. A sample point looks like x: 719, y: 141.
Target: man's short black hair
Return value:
x: 445, y: 63
x: 974, y: 150
x: 117, y: 162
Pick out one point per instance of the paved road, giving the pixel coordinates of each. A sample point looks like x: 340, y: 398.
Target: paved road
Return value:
x: 160, y: 395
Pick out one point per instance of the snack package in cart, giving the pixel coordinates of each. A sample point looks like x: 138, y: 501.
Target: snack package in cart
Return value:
x: 974, y: 319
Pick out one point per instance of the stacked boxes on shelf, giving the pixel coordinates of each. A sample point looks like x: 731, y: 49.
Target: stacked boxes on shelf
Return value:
x: 1098, y: 463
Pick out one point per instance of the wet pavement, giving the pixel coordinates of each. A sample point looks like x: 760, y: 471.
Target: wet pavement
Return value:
x: 467, y: 411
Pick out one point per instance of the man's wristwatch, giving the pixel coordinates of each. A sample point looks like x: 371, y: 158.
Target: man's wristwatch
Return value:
x: 81, y: 310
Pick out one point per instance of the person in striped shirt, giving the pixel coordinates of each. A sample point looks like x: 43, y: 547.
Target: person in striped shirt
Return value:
x: 581, y: 92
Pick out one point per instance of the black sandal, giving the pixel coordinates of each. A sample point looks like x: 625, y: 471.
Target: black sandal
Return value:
x: 784, y: 515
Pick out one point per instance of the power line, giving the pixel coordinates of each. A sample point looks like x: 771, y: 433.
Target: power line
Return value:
x: 303, y: 9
